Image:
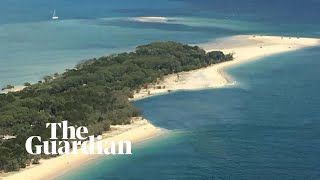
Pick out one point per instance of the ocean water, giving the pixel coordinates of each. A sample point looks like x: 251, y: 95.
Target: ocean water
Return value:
x: 32, y: 45
x: 265, y: 127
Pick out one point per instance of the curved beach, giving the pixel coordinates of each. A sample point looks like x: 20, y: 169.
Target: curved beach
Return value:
x: 255, y: 47
x: 140, y: 129
x: 252, y: 48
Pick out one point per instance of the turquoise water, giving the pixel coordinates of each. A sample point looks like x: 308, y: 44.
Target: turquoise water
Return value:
x: 30, y: 51
x: 32, y: 45
x: 265, y: 127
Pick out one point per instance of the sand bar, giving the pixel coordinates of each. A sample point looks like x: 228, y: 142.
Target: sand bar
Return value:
x: 245, y: 48
x: 250, y: 48
x: 151, y: 19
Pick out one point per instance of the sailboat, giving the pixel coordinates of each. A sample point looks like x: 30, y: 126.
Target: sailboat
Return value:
x: 54, y: 17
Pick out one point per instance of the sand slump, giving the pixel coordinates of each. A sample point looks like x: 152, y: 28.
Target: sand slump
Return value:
x: 247, y: 48
x: 253, y: 48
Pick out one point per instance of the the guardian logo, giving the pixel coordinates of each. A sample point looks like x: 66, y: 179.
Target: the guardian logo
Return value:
x: 72, y: 139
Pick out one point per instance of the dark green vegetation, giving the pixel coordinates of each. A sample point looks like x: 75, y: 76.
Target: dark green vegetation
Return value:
x: 8, y: 87
x: 94, y: 94
x: 27, y: 84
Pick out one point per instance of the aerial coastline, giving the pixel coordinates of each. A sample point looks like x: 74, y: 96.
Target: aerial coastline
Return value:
x: 140, y: 129
x: 214, y: 76
x: 209, y: 77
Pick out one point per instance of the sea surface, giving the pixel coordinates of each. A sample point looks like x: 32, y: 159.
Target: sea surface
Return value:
x: 32, y: 45
x: 267, y: 126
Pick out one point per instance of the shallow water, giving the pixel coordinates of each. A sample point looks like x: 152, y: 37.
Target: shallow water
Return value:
x: 32, y: 45
x: 265, y: 127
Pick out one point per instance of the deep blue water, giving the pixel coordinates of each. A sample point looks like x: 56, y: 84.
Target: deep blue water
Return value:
x: 32, y: 45
x: 265, y: 127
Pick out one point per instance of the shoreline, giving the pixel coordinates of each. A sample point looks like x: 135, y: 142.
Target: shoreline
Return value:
x: 214, y: 76
x: 139, y: 130
x: 15, y: 89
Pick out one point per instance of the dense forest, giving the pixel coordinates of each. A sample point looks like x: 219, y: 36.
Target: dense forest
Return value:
x: 93, y: 94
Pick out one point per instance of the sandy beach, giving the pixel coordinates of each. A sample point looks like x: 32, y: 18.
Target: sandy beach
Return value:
x: 140, y: 129
x: 251, y: 48
x: 15, y: 89
x: 246, y: 48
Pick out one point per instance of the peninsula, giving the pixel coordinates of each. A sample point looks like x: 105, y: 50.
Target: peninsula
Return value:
x: 95, y: 94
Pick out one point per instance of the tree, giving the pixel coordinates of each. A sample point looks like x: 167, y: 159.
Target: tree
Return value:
x: 47, y: 78
x: 8, y: 87
x: 12, y: 165
x: 95, y: 94
x: 27, y: 84
x: 36, y: 159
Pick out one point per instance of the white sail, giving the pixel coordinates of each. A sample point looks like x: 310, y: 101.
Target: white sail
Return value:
x: 54, y: 17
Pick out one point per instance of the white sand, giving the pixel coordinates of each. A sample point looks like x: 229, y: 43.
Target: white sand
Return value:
x: 150, y: 19
x: 15, y: 89
x: 250, y: 48
x: 139, y: 130
x: 210, y: 77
